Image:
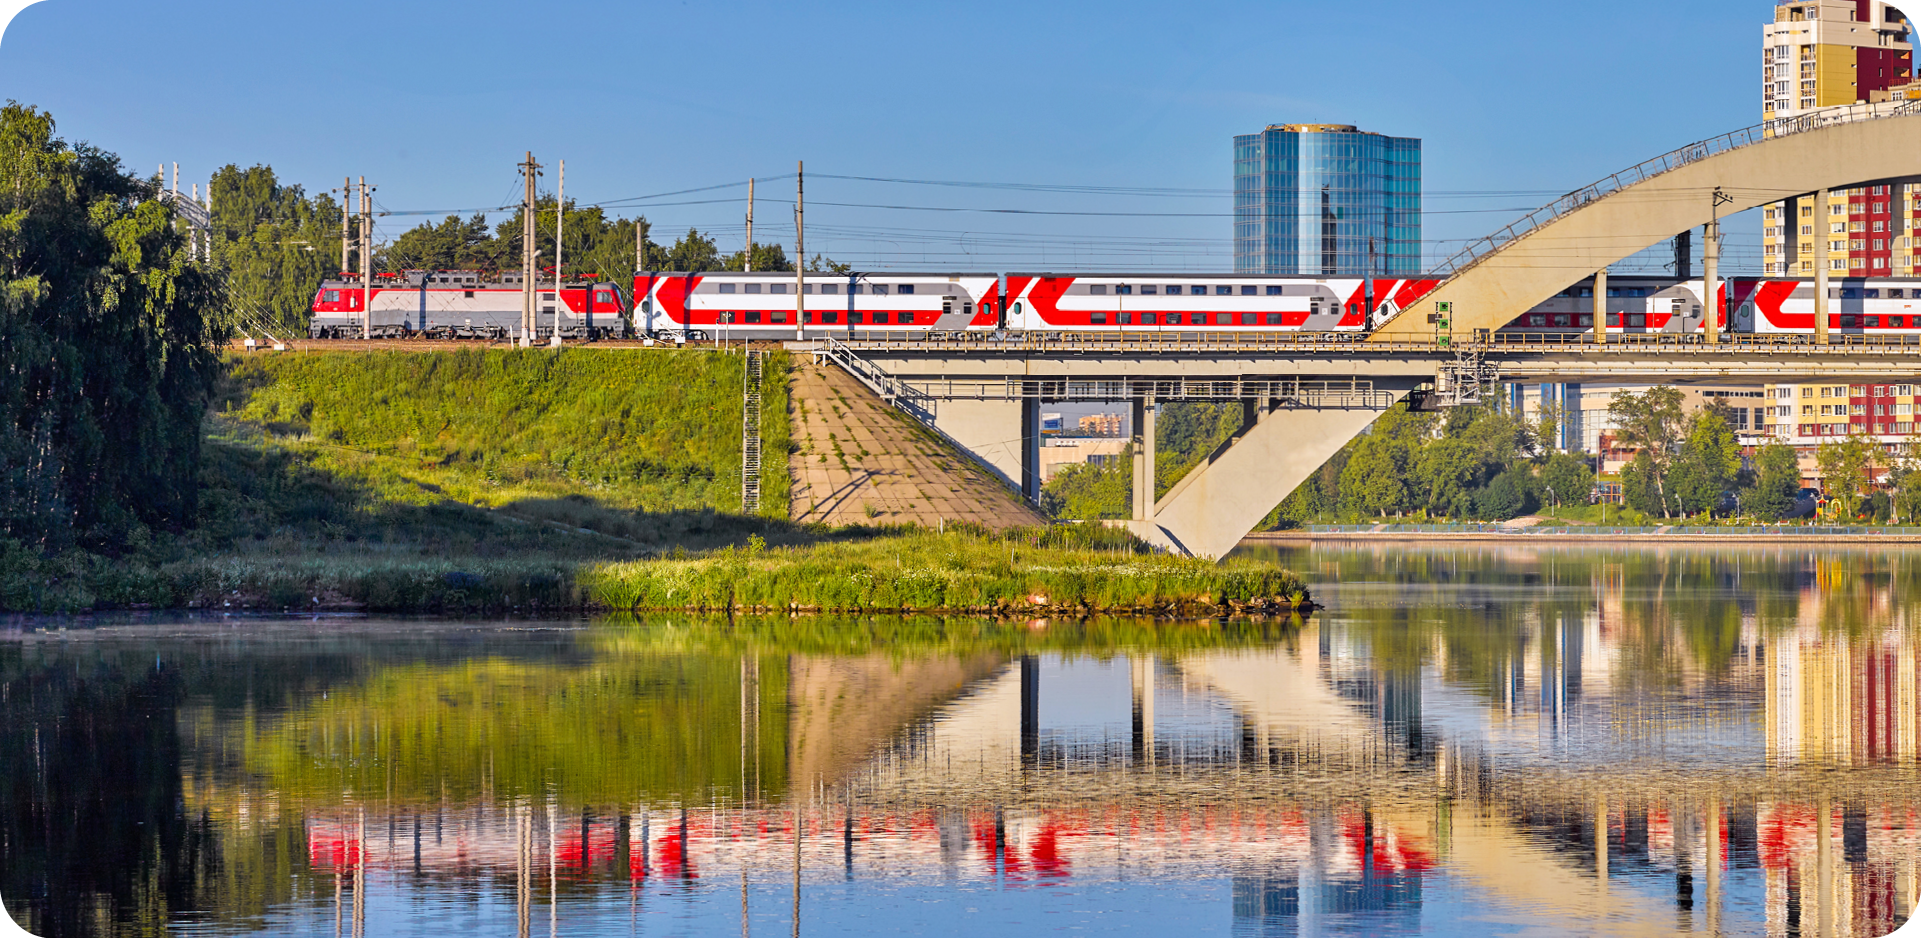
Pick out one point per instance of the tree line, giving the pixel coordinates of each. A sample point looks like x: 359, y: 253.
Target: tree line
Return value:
x: 274, y: 243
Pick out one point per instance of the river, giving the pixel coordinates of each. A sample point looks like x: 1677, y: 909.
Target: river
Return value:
x: 1470, y: 739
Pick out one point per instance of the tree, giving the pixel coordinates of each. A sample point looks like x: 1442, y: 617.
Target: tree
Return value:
x: 1090, y: 493
x: 769, y: 257
x: 1505, y: 497
x: 1845, y: 467
x: 1640, y: 487
x: 271, y: 244
x: 1906, y: 482
x: 1777, y: 482
x: 694, y: 252
x: 1567, y: 477
x: 1371, y: 484
x: 1448, y: 470
x: 826, y: 265
x: 1650, y: 422
x: 109, y: 342
x: 1547, y: 423
x: 1707, y: 464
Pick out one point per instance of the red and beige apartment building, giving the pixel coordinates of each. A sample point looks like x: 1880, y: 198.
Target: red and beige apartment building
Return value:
x: 1821, y: 54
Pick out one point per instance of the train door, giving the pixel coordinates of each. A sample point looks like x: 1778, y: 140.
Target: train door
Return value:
x: 956, y: 313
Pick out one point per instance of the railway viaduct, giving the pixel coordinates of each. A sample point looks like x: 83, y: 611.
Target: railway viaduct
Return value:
x: 1304, y: 397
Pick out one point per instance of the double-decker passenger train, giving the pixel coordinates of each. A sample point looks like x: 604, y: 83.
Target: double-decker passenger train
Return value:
x: 465, y: 304
x: 764, y: 305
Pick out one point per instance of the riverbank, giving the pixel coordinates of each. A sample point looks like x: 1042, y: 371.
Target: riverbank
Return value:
x: 1661, y: 534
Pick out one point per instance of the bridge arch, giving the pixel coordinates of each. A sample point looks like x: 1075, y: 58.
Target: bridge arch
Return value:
x: 1507, y: 273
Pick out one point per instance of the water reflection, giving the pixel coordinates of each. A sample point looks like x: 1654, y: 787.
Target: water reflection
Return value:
x: 1468, y: 741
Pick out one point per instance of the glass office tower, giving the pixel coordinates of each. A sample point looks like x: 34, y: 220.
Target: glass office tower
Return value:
x: 1311, y: 199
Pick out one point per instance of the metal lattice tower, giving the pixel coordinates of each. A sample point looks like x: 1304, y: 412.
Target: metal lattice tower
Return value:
x: 750, y: 436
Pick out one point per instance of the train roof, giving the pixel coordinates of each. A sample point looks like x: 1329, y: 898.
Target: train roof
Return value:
x: 814, y: 274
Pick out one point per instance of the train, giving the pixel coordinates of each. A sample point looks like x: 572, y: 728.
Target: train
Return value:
x: 682, y: 306
x: 462, y: 304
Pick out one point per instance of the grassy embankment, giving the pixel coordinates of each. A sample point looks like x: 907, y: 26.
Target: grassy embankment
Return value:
x: 576, y: 479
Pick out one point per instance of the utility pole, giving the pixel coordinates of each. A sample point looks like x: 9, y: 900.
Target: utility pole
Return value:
x: 748, y: 265
x: 366, y: 262
x: 1711, y: 263
x: 529, y: 169
x: 560, y: 221
x: 800, y: 249
x: 346, y: 191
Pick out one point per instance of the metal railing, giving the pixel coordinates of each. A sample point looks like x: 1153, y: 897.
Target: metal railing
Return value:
x: 1287, y: 393
x: 1732, y: 532
x: 1214, y: 344
x: 1477, y: 250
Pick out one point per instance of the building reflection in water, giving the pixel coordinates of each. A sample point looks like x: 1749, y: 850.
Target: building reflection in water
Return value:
x: 1573, y: 745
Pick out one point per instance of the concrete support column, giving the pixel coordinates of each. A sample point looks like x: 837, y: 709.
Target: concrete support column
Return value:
x: 1714, y: 865
x: 1030, y: 710
x: 1144, y: 423
x: 1791, y: 236
x: 1031, y: 449
x: 1711, y: 284
x: 1601, y: 306
x: 1143, y: 716
x: 1601, y: 842
x: 1820, y: 227
x: 1824, y: 856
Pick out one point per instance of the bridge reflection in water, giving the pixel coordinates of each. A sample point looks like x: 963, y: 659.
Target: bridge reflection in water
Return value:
x: 1475, y: 740
x: 1556, y: 784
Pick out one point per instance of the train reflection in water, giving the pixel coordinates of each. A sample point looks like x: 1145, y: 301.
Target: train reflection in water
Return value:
x: 1473, y: 740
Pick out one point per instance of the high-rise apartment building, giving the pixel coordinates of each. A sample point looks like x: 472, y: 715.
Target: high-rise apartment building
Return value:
x: 1825, y: 53
x: 1327, y: 199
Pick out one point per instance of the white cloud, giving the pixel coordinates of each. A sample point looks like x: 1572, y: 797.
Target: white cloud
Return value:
x: 10, y: 9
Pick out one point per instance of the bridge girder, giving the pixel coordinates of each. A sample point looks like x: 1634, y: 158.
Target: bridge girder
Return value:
x: 1532, y: 268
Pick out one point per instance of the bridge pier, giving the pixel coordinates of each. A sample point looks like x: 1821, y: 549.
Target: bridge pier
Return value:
x: 1144, y: 428
x: 982, y: 428
x: 1277, y: 448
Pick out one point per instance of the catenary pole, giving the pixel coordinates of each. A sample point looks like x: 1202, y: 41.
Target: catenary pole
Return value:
x: 800, y: 249
x: 748, y: 264
x: 366, y: 263
x: 528, y: 170
x: 346, y: 193
x: 560, y: 221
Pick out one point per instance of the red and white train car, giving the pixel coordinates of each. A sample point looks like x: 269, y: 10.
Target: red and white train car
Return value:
x: 1191, y: 303
x: 697, y: 306
x: 461, y: 304
x: 1880, y: 307
x: 1635, y: 306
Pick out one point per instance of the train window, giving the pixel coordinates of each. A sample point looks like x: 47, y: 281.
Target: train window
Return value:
x: 1567, y: 292
x: 1587, y: 320
x: 1896, y: 322
x: 1098, y: 319
x: 1273, y: 319
x: 1173, y: 289
x: 1896, y: 293
x: 753, y: 317
x: 857, y: 317
x: 1873, y: 294
x: 1247, y: 319
x: 1148, y: 289
x: 1850, y: 293
x: 1273, y: 291
x: 1847, y: 322
x: 1586, y: 292
x: 726, y: 288
x: 333, y: 296
x: 1614, y: 292
x: 1250, y: 291
x: 1637, y: 320
x: 549, y: 297
x: 1223, y: 291
x: 780, y: 288
x: 1125, y: 319
x: 1123, y: 290
x: 879, y: 289
x: 1223, y: 319
x: 777, y: 316
x: 830, y: 289
x: 1147, y: 319
x: 1536, y: 319
x: 1614, y: 319
x: 1638, y: 291
x: 1874, y: 322
x: 830, y: 317
x: 753, y: 287
x: 1097, y: 289
x: 470, y: 294
x: 1196, y: 319
x: 906, y: 289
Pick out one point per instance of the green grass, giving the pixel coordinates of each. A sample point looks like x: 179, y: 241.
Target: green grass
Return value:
x: 1057, y: 569
x: 542, y: 481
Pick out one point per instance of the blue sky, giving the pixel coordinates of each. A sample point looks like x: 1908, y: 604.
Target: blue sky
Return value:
x: 435, y: 102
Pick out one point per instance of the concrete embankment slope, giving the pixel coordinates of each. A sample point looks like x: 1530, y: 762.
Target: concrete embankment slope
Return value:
x: 859, y: 461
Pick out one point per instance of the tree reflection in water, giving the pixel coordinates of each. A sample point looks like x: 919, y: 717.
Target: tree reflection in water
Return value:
x: 1469, y: 740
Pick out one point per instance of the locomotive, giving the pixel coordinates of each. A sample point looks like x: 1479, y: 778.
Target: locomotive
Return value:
x: 462, y: 304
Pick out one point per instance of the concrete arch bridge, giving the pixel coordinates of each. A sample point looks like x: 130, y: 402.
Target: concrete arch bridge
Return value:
x: 1303, y: 398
